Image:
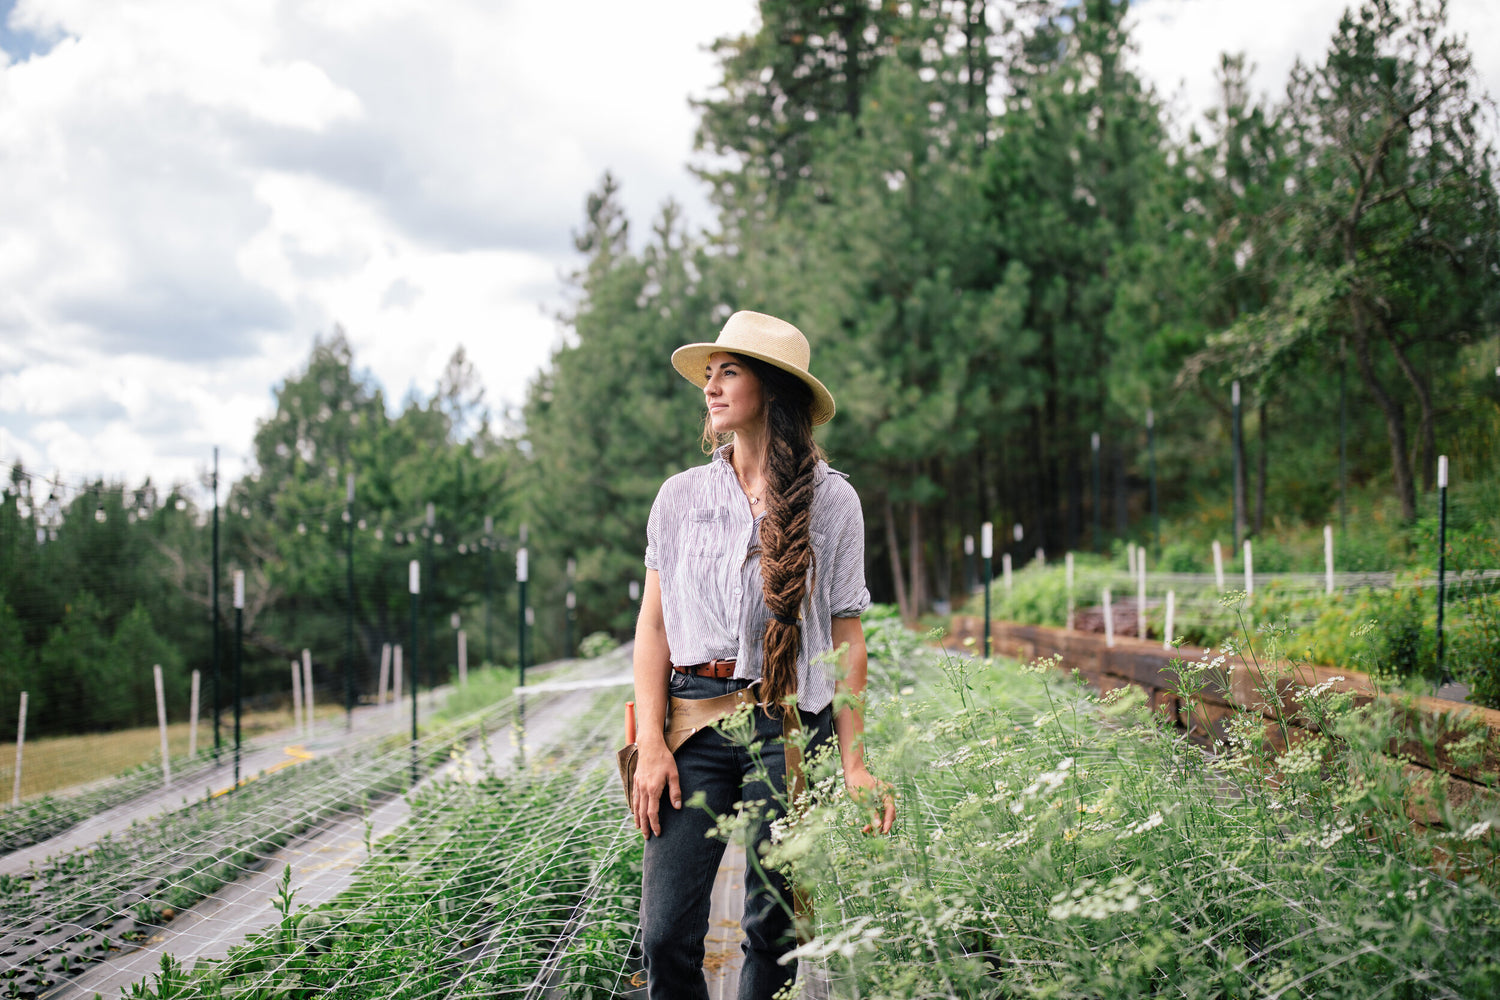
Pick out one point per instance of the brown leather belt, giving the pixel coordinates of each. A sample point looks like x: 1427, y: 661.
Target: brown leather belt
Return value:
x: 719, y: 669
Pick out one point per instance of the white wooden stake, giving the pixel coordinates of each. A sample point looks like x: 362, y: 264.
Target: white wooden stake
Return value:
x: 1005, y: 565
x: 193, y: 719
x: 161, y: 723
x: 463, y: 658
x: 1130, y: 558
x: 297, y: 697
x: 385, y: 673
x: 1166, y: 636
x: 1109, y: 620
x: 1068, y: 563
x: 1328, y: 557
x: 307, y: 692
x: 1218, y: 565
x: 1140, y: 599
x: 396, y: 683
x: 15, y: 795
x: 1249, y: 570
x: 1041, y: 556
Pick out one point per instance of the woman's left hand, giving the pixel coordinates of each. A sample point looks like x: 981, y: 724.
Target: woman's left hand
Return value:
x: 877, y: 797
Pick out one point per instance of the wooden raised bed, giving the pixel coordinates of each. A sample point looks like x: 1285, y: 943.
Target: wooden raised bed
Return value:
x: 1431, y: 725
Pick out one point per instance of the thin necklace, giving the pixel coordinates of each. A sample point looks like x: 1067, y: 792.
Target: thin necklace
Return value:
x: 746, y: 488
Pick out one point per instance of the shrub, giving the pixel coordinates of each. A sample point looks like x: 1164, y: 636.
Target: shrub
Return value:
x: 596, y: 644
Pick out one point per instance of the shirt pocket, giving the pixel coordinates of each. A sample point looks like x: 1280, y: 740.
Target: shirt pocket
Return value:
x: 705, y: 533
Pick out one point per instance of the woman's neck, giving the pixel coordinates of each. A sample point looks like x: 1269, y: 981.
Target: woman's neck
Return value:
x: 748, y: 456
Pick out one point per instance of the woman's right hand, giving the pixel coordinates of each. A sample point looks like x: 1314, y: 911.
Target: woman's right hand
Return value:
x: 655, y: 770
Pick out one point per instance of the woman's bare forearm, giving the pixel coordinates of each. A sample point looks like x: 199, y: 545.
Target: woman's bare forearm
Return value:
x: 652, y: 662
x: 849, y: 719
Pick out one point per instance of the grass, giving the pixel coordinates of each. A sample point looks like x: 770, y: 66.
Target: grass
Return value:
x: 487, y: 685
x: 1388, y: 631
x: 55, y: 764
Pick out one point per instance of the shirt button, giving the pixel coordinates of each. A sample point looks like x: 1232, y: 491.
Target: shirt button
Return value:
x: 736, y: 592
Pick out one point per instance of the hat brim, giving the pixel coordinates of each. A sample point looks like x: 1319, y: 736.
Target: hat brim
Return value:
x: 691, y: 362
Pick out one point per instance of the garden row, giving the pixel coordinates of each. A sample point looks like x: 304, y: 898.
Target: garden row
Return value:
x: 79, y: 907
x: 512, y: 885
x: 1055, y: 843
x: 1386, y: 629
x: 41, y: 819
x: 1050, y: 843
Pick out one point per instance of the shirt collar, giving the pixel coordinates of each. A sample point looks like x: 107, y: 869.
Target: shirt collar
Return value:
x: 721, y: 457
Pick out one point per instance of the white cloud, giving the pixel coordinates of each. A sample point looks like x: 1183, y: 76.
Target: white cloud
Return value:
x: 195, y: 190
x: 1180, y: 42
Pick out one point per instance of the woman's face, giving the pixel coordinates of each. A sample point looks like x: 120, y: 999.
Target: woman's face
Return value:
x: 733, y: 395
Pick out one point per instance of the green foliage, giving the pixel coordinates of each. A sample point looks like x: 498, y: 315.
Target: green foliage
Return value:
x: 1389, y: 632
x: 596, y: 644
x: 486, y: 688
x: 998, y: 244
x: 501, y: 880
x: 985, y: 286
x: 1474, y: 651
x: 114, y: 580
x: 1050, y: 844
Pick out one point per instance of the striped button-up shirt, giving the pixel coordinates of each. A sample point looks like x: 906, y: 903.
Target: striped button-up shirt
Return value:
x: 699, y: 540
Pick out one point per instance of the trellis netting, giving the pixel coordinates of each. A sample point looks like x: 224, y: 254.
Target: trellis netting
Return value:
x: 1048, y: 843
x: 523, y: 781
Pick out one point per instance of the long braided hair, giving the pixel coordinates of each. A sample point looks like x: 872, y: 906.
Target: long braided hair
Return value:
x: 786, y: 552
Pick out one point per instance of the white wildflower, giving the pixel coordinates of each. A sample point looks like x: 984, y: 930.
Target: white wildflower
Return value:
x: 1333, y: 833
x: 1477, y: 830
x: 1141, y: 826
x: 859, y: 935
x: 1087, y: 900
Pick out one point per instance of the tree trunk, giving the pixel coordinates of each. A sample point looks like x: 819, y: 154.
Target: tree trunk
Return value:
x: 1260, y: 472
x: 1427, y: 422
x: 1237, y: 446
x: 1122, y: 494
x: 1395, y: 423
x: 894, y: 546
x: 976, y: 59
x: 917, y: 571
x: 942, y: 570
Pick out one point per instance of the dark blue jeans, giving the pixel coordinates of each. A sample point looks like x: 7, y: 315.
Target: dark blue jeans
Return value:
x: 681, y: 864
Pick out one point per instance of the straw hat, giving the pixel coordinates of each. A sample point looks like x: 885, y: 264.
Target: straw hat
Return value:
x: 765, y: 338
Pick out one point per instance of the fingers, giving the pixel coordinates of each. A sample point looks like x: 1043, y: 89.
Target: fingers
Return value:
x: 645, y: 803
x: 882, y: 815
x: 653, y: 817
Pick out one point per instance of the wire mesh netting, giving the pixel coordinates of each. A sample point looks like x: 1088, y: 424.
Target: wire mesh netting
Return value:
x: 1047, y: 844
x: 68, y: 909
x: 1052, y: 845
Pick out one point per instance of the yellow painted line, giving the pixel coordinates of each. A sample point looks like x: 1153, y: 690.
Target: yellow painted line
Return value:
x: 296, y: 754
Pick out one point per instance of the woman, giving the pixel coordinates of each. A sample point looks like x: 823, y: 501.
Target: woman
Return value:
x: 755, y: 567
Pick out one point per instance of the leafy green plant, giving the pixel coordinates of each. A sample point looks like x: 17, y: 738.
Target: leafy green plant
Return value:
x: 1052, y: 843
x: 506, y: 882
x: 596, y: 644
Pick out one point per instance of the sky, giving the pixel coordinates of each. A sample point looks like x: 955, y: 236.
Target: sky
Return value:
x: 196, y: 190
